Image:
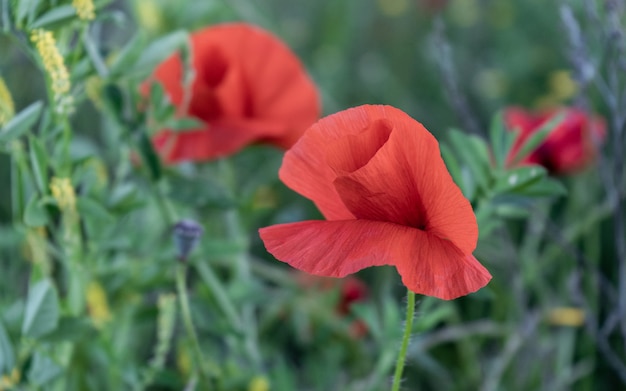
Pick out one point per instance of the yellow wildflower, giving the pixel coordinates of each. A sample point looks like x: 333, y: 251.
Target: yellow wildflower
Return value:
x: 84, y: 9
x: 9, y: 381
x: 64, y: 194
x: 259, y: 383
x: 98, y: 304
x: 183, y: 360
x: 566, y: 316
x: 7, y: 109
x: 562, y: 86
x: 55, y: 67
x: 149, y: 15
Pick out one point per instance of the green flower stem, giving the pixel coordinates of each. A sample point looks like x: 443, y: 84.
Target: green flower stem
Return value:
x: 242, y: 263
x: 381, y: 369
x: 222, y: 299
x: 408, y: 327
x: 168, y: 214
x: 181, y: 286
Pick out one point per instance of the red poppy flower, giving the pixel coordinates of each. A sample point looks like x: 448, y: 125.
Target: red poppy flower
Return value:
x: 248, y: 87
x: 569, y: 148
x: 378, y: 177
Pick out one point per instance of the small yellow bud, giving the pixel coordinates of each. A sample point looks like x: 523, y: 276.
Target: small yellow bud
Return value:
x: 562, y: 86
x: 7, y: 109
x: 259, y: 383
x: 183, y: 360
x: 84, y: 9
x: 566, y: 316
x: 8, y: 381
x: 149, y: 15
x: 64, y: 194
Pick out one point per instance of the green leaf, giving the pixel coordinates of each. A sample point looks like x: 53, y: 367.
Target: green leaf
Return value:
x: 474, y: 153
x: 368, y: 314
x: 546, y: 187
x: 71, y: 329
x: 184, y: 124
x: 512, y: 211
x: 41, y: 315
x: 150, y: 156
x: 391, y: 319
x: 115, y: 101
x: 89, y: 208
x: 511, y: 206
x: 21, y: 123
x: 56, y: 15
x: 35, y: 214
x: 453, y: 166
x: 501, y: 139
x: 485, y: 219
x: 7, y: 354
x: 25, y: 8
x: 428, y: 320
x: 207, y: 192
x: 128, y: 55
x: 42, y: 370
x: 157, y: 94
x: 537, y: 138
x: 39, y: 163
x: 513, y: 180
x: 158, y: 51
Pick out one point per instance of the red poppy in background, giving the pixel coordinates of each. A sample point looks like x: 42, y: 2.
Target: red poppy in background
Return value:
x: 377, y: 176
x: 248, y: 87
x: 569, y: 148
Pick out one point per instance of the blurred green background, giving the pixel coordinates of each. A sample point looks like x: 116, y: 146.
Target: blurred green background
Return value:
x: 493, y: 54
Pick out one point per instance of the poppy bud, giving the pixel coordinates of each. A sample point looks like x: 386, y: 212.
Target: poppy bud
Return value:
x: 186, y: 235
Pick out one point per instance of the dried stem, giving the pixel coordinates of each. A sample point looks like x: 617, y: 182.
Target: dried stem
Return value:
x: 443, y: 56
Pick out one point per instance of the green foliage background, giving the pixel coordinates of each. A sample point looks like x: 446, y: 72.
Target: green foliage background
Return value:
x: 256, y: 323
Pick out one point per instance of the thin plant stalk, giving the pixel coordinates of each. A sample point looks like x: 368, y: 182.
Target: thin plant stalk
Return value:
x: 408, y: 327
x: 181, y: 287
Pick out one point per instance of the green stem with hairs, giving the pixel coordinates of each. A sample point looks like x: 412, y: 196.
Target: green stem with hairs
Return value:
x: 408, y: 327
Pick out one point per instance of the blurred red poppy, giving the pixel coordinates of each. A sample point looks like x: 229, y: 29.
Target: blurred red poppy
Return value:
x: 570, y: 147
x: 377, y: 175
x: 248, y: 87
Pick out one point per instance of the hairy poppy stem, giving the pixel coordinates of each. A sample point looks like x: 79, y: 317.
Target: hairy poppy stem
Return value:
x: 408, y: 327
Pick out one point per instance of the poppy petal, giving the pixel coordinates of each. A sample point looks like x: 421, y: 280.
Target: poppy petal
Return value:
x: 405, y: 181
x: 428, y: 265
x: 224, y: 138
x: 244, y: 77
x: 305, y: 169
x: 279, y: 85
